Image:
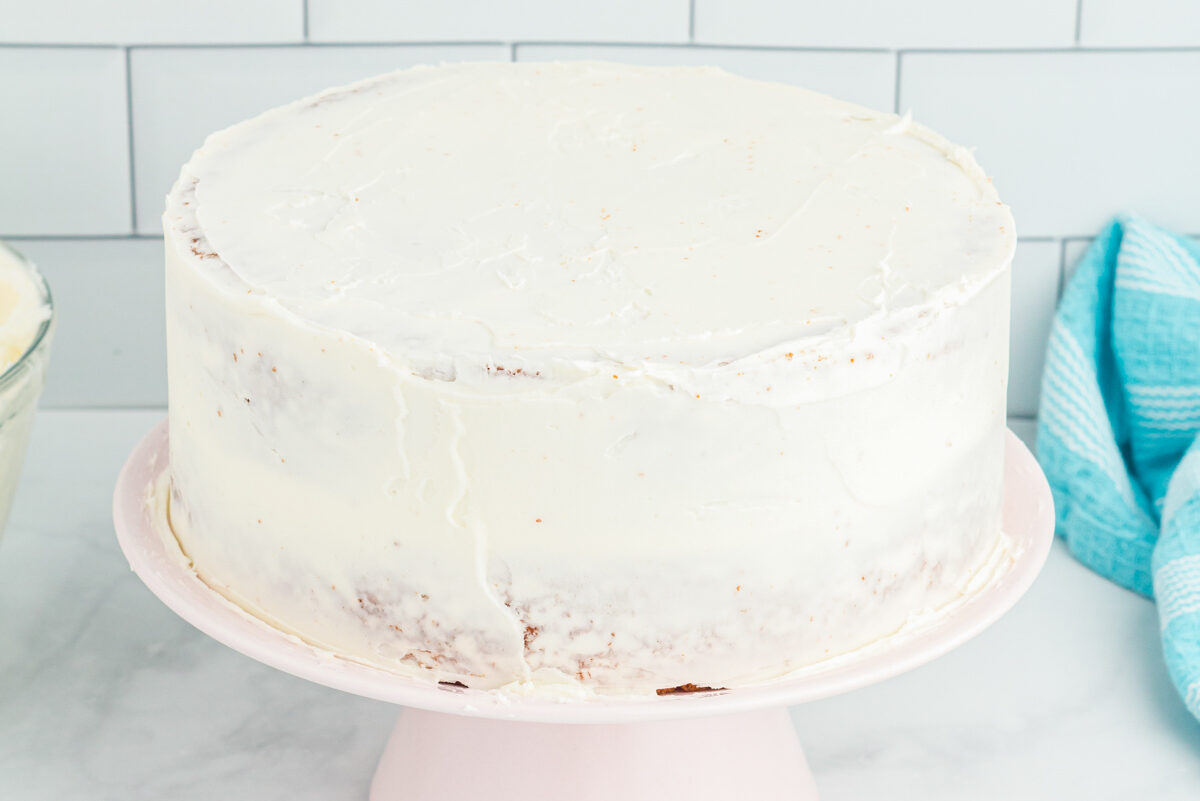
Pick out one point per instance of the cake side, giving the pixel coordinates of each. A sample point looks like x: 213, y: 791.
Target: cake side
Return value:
x: 564, y: 511
x: 730, y: 542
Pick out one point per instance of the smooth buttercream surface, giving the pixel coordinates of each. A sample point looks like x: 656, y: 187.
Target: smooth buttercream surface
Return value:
x: 23, y: 307
x: 513, y: 213
x: 586, y: 374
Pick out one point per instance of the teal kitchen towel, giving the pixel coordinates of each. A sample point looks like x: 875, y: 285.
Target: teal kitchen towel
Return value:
x: 1118, y: 425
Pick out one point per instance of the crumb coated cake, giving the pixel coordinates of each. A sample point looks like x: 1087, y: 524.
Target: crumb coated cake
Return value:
x: 634, y: 378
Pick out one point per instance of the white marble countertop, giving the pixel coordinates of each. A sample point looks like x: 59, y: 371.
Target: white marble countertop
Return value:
x: 105, y: 694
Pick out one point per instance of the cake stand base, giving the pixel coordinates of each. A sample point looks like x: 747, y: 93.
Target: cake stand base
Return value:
x: 432, y: 756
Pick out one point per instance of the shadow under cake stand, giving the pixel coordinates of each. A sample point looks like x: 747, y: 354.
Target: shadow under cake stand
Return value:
x: 455, y: 744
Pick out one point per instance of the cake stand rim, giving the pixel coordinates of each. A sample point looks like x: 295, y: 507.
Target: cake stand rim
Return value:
x: 165, y: 574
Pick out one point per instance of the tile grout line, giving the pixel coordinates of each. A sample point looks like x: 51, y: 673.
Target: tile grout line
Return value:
x: 965, y: 51
x: 172, y: 46
x: 691, y: 21
x: 896, y: 95
x: 512, y: 51
x: 1078, y: 20
x: 61, y: 45
x: 457, y: 43
x: 1020, y: 51
x: 304, y: 19
x: 1062, y: 271
x: 129, y: 137
x: 134, y: 237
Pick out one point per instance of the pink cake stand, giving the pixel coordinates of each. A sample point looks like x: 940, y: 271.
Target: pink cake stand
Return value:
x: 455, y: 744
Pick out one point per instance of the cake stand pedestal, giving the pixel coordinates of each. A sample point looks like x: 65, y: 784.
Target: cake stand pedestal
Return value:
x: 744, y: 755
x: 454, y: 744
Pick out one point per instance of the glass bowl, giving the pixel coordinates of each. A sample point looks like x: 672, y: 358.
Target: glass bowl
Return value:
x: 20, y: 386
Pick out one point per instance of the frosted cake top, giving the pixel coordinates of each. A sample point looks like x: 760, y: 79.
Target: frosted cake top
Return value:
x: 588, y: 212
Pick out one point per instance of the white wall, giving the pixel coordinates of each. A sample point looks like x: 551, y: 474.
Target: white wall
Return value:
x: 1080, y: 108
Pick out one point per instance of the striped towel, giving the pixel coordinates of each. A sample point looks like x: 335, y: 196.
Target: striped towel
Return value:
x: 1118, y: 425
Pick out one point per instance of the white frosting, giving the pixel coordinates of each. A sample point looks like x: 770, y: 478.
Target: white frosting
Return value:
x: 600, y: 215
x: 632, y: 377
x: 23, y: 307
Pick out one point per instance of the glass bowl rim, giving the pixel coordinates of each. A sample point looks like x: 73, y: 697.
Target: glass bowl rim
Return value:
x: 14, y: 369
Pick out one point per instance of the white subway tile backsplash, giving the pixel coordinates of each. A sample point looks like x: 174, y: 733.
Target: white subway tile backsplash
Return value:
x: 486, y: 20
x: 870, y: 23
x: 182, y: 95
x: 865, y: 78
x: 1144, y: 23
x: 1035, y: 277
x: 151, y: 21
x: 1073, y: 133
x: 1071, y: 137
x: 109, y: 347
x: 64, y: 150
